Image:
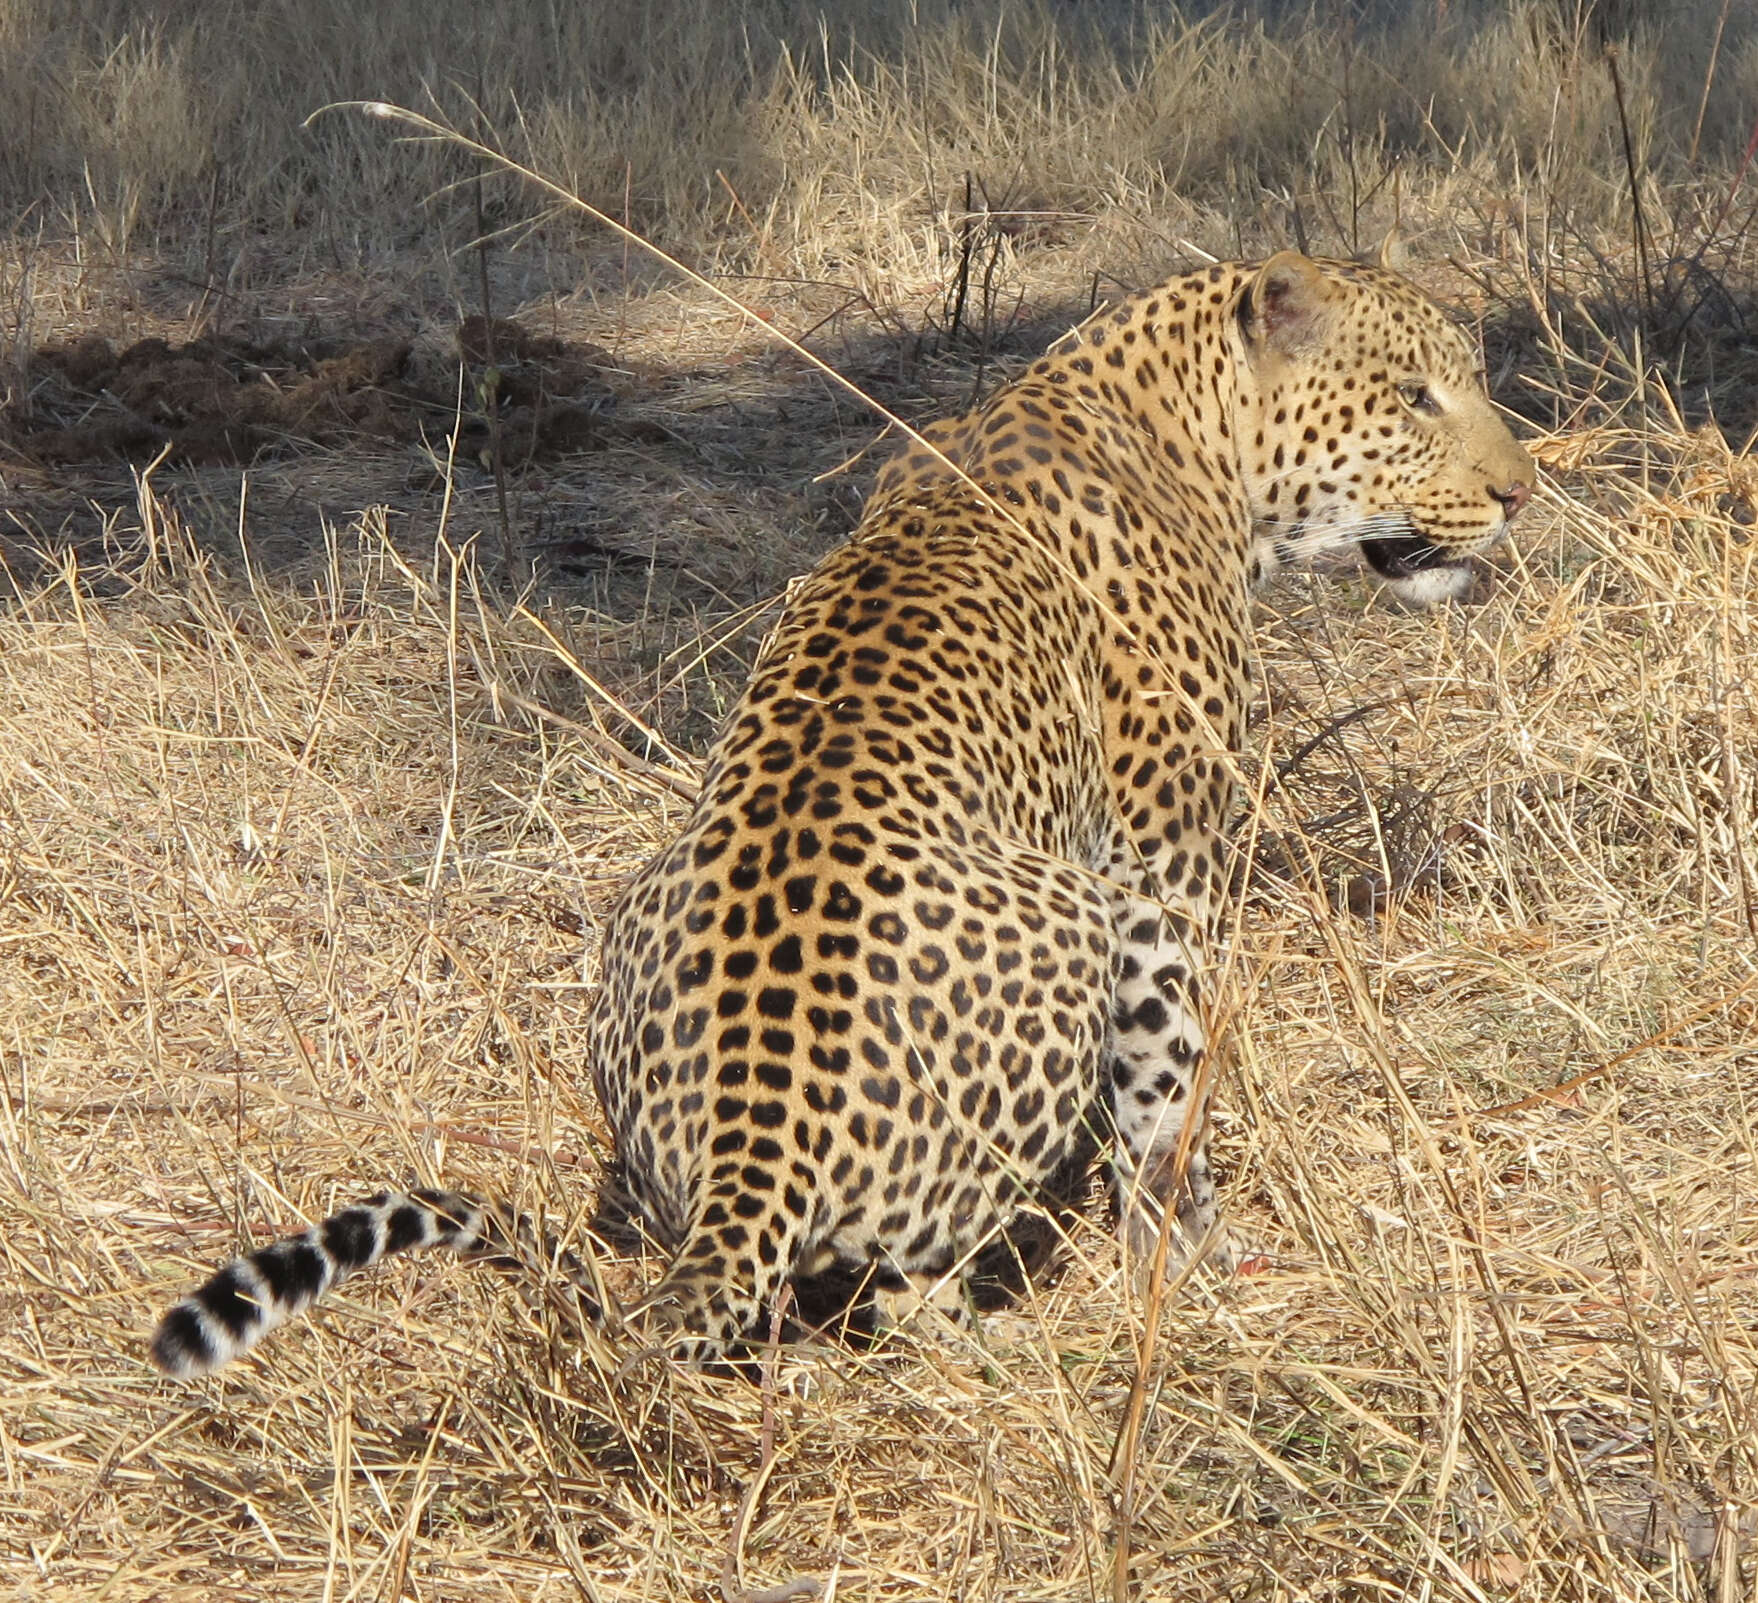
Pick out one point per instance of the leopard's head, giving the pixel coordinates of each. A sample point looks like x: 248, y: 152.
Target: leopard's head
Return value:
x: 1364, y: 425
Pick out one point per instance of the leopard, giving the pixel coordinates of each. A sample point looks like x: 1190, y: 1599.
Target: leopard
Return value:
x: 957, y: 880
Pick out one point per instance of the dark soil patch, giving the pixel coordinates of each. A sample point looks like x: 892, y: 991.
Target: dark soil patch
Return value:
x: 226, y: 400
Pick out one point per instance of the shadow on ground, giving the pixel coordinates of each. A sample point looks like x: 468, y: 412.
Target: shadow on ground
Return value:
x: 613, y: 480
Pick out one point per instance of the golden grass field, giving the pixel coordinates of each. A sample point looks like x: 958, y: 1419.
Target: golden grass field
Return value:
x: 353, y: 653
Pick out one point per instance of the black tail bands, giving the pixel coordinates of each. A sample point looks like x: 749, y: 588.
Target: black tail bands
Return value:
x: 251, y: 1296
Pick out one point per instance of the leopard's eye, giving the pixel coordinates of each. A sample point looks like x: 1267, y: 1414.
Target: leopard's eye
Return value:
x: 1418, y: 397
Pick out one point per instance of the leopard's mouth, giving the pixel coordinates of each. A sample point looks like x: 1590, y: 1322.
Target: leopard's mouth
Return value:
x: 1398, y: 556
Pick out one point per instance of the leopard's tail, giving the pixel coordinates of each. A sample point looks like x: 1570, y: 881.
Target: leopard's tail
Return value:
x: 252, y: 1295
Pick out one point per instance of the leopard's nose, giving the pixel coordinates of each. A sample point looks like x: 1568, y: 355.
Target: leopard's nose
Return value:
x: 1514, y: 497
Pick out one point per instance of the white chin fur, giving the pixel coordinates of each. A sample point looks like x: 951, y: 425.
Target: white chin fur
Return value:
x: 1433, y: 587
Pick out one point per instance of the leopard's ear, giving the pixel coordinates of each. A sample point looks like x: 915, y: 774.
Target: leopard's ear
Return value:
x: 1391, y: 253
x: 1285, y: 306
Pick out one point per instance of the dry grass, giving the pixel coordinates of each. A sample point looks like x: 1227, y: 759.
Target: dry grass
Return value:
x: 306, y: 828
x: 770, y: 138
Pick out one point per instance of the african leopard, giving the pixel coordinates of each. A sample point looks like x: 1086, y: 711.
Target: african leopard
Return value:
x: 959, y: 860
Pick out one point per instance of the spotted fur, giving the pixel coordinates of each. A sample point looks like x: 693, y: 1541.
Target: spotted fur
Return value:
x: 959, y: 861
